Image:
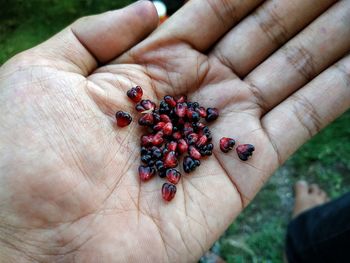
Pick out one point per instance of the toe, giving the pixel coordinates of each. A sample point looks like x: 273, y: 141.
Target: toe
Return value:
x: 301, y: 188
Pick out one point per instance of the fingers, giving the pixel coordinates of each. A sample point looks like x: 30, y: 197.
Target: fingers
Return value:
x: 302, y: 115
x: 99, y: 38
x: 201, y: 23
x: 270, y: 26
x: 318, y: 46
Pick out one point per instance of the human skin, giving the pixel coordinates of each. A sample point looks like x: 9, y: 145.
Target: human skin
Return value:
x: 69, y: 190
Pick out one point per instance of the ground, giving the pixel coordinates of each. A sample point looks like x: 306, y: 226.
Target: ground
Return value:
x: 258, y: 234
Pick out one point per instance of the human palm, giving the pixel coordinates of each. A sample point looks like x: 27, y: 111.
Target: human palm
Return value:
x: 69, y: 184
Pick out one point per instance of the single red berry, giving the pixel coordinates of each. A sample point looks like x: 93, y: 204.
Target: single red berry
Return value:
x: 168, y: 191
x: 123, y: 118
x: 165, y: 118
x: 170, y: 101
x: 202, y: 141
x: 135, y: 93
x: 146, y: 120
x: 146, y: 140
x: 244, y: 151
x: 226, y: 144
x: 177, y: 135
x: 192, y: 138
x: 158, y: 139
x: 145, y: 106
x: 182, y: 99
x: 182, y: 146
x: 170, y: 160
x: 159, y: 126
x: 180, y: 109
x: 173, y: 175
x: 168, y: 128
x: 194, y: 153
x: 202, y: 112
x: 172, y: 146
x: 212, y: 114
x: 146, y: 172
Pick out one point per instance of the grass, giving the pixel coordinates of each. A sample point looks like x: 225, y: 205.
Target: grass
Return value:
x: 258, y: 233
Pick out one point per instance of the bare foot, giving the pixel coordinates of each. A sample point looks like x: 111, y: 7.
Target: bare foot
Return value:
x: 307, y: 197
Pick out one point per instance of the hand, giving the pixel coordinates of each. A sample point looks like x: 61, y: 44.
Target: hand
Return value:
x: 69, y: 184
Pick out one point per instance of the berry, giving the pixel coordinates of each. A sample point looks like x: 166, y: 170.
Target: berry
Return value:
x: 244, y: 151
x: 164, y: 118
x: 170, y: 101
x: 158, y: 139
x: 194, y: 153
x: 159, y: 126
x: 168, y: 128
x: 212, y: 114
x: 145, y: 106
x: 180, y: 109
x: 146, y: 119
x: 226, y: 144
x: 123, y: 118
x: 168, y: 191
x: 146, y: 172
x: 170, y: 160
x: 182, y: 146
x: 156, y: 153
x: 202, y: 141
x: 172, y: 146
x: 189, y: 164
x: 135, y: 93
x: 173, y: 175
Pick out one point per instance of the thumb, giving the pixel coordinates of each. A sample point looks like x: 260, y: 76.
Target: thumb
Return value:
x: 98, y: 38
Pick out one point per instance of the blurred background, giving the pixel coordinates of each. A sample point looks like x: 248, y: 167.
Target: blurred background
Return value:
x: 258, y: 233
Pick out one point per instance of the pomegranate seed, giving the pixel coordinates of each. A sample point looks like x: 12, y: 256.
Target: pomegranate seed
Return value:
x: 202, y: 112
x: 159, y: 126
x: 194, y: 153
x: 172, y: 146
x: 182, y: 146
x: 168, y: 191
x: 164, y: 108
x: 160, y: 168
x: 135, y: 94
x: 180, y: 109
x: 212, y: 114
x: 201, y: 141
x: 182, y: 99
x: 156, y: 117
x: 192, y: 115
x: 173, y: 176
x: 198, y: 126
x: 187, y: 128
x: 156, y: 153
x: 189, y: 164
x: 244, y: 151
x: 145, y: 106
x: 146, y: 119
x: 146, y: 140
x: 170, y: 160
x: 177, y: 135
x: 158, y: 138
x: 226, y: 144
x: 192, y: 138
x: 146, y: 172
x: 123, y: 118
x: 168, y: 129
x: 170, y: 101
x: 164, y: 118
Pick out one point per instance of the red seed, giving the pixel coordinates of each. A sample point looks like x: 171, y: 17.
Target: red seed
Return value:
x: 226, y: 144
x: 146, y: 119
x: 123, y: 118
x: 173, y: 176
x: 244, y: 151
x: 187, y: 128
x: 192, y: 138
x: 159, y: 126
x: 145, y: 106
x: 165, y: 118
x: 168, y: 129
x: 212, y: 114
x: 168, y: 191
x: 135, y: 93
x: 182, y: 146
x: 194, y: 153
x: 146, y: 172
x: 202, y: 112
x: 172, y: 146
x: 170, y: 160
x: 146, y: 140
x: 182, y: 99
x: 158, y: 139
x: 202, y: 141
x: 177, y: 135
x: 170, y: 101
x: 180, y: 109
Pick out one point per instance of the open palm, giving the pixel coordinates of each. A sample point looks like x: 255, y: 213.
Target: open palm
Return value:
x: 69, y: 184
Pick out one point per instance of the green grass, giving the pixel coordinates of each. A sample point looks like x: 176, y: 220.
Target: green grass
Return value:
x: 258, y: 233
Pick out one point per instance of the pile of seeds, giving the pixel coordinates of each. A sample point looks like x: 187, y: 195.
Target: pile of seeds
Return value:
x: 176, y: 127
